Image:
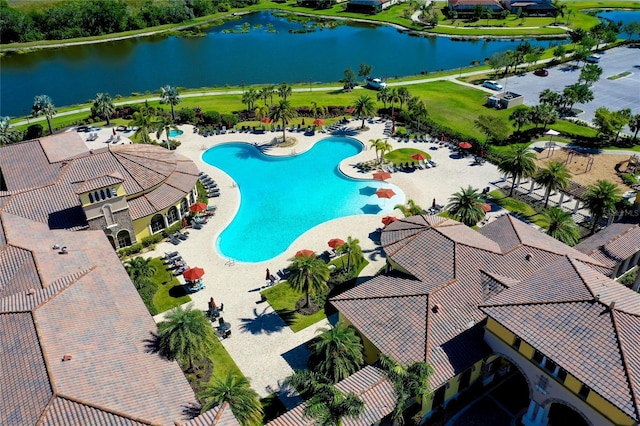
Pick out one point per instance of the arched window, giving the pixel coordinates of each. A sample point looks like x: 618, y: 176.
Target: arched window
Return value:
x: 102, y: 195
x: 184, y: 206
x: 114, y: 192
x: 124, y: 239
x: 91, y: 198
x: 157, y: 223
x: 108, y: 192
x: 192, y: 197
x: 108, y: 214
x: 172, y: 215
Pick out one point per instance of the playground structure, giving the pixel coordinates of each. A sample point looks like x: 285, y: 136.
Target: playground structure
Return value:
x: 572, y: 152
x: 633, y: 164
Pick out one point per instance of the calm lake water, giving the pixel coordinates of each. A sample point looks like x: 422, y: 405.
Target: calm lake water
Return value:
x: 267, y: 54
x: 624, y: 16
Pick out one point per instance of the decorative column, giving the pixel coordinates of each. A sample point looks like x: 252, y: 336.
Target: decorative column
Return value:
x: 561, y: 198
x: 575, y: 209
x: 536, y: 415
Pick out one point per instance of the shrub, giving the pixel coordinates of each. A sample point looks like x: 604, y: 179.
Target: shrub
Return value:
x: 152, y: 239
x: 229, y: 119
x: 132, y: 249
x: 629, y: 179
x: 187, y: 115
x: 211, y: 117
x: 34, y: 131
x: 147, y: 289
x: 172, y: 229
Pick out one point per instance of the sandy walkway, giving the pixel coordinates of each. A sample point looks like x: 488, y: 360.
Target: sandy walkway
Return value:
x: 261, y: 344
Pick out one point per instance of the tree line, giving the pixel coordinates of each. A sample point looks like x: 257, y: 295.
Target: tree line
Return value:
x: 87, y: 18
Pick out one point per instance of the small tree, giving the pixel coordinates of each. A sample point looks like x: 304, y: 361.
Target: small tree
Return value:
x: 103, y: 105
x: 309, y: 275
x: 337, y: 352
x: 365, y: 70
x: 349, y: 79
x: 364, y: 107
x: 466, y: 206
x: 495, y: 128
x: 170, y: 95
x: 601, y: 199
x: 236, y: 391
x: 43, y: 105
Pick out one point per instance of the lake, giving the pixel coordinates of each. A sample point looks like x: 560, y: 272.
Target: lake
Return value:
x: 268, y: 53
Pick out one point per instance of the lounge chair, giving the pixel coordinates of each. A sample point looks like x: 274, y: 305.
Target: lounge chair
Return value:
x: 214, y: 194
x: 181, y: 236
x: 171, y: 254
x: 195, y: 225
x: 175, y: 241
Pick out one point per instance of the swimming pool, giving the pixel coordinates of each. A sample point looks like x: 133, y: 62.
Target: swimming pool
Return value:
x: 283, y: 197
x: 174, y: 133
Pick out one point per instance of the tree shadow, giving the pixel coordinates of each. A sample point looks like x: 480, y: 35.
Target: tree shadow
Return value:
x: 263, y: 322
x: 297, y: 357
x: 178, y: 291
x: 287, y: 315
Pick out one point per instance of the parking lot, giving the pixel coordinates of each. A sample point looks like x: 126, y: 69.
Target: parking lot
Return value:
x: 613, y: 94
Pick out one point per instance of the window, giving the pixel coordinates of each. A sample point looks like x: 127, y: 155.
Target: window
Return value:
x: 124, y: 239
x: 91, y: 200
x: 562, y: 374
x: 543, y: 381
x: 538, y: 357
x: 550, y: 366
x: 172, y: 215
x: 102, y: 195
x: 516, y: 343
x: 184, y: 206
x: 114, y: 192
x: 157, y: 223
x: 584, y: 392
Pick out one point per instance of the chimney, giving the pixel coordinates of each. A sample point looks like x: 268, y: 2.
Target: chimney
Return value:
x: 612, y: 305
x: 31, y: 292
x: 64, y: 250
x: 66, y: 357
x: 436, y: 308
x: 529, y: 256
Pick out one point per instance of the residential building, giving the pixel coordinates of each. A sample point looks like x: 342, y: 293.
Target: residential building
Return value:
x: 531, y: 7
x: 468, y: 7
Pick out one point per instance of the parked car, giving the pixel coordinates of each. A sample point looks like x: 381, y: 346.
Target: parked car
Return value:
x: 593, y: 59
x: 492, y: 84
x: 542, y: 72
x: 376, y: 83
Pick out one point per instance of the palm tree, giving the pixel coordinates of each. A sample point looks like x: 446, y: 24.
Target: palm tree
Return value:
x: 376, y: 143
x: 261, y: 112
x: 186, y: 334
x: 284, y: 91
x: 409, y: 382
x: 165, y: 124
x: 139, y: 268
x: 266, y: 93
x: 283, y: 112
x: 317, y: 109
x: 384, y: 95
x: 326, y: 404
x: 309, y: 274
x: 634, y: 125
x: 170, y: 95
x: 554, y: 176
x: 353, y: 252
x: 411, y: 209
x: 466, y: 206
x: 403, y: 95
x: 393, y: 98
x: 518, y: 163
x: 146, y: 123
x: 7, y: 133
x: 364, y: 107
x: 337, y: 353
x: 520, y: 117
x: 419, y: 111
x: 249, y: 98
x: 236, y: 391
x: 561, y: 226
x: 103, y: 105
x: 600, y: 199
x: 43, y: 105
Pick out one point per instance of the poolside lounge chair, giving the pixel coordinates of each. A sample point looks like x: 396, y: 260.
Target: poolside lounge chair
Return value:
x: 175, y: 241
x: 214, y: 194
x: 195, y: 225
x: 171, y: 254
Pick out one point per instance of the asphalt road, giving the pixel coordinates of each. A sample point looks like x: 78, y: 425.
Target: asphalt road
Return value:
x: 613, y: 94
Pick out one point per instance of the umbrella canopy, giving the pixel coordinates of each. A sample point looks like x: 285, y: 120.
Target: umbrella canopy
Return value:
x: 318, y: 122
x: 266, y: 120
x: 371, y: 208
x: 464, y: 145
x: 385, y: 193
x: 197, y: 207
x: 552, y: 132
x: 305, y: 253
x: 388, y: 220
x: 486, y: 207
x: 418, y: 156
x: 381, y: 175
x: 334, y: 243
x: 351, y: 110
x: 193, y: 274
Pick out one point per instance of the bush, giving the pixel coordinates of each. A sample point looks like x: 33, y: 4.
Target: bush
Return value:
x: 132, y: 249
x: 211, y: 117
x: 229, y: 119
x: 629, y: 179
x: 147, y: 289
x: 33, y: 132
x: 152, y: 239
x: 187, y: 115
x: 172, y: 229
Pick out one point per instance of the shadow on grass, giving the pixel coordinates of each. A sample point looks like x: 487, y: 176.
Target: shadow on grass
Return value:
x: 178, y: 291
x: 263, y: 322
x: 289, y: 316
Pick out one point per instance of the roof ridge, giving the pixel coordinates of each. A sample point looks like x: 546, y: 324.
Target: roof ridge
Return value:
x: 101, y: 408
x: 582, y: 278
x: 625, y: 365
x: 381, y: 297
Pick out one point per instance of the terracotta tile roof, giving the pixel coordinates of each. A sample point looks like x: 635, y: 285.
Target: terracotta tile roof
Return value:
x: 87, y: 308
x: 100, y: 182
x: 370, y: 384
x: 591, y: 337
x: 217, y: 416
x: 140, y: 207
x: 25, y: 384
x: 13, y: 159
x: 17, y: 271
x: 163, y: 196
x: 613, y: 244
x: 68, y: 412
x: 62, y: 146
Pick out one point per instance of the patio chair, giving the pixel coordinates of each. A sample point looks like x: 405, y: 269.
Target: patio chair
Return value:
x: 195, y: 225
x: 175, y: 241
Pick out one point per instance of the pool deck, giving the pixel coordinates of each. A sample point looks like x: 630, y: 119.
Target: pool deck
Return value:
x: 263, y: 347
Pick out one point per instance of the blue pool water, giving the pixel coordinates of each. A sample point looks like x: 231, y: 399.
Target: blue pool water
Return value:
x: 174, y: 133
x: 283, y: 197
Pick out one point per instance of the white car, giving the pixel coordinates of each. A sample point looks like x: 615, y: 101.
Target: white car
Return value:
x: 376, y: 83
x: 492, y: 84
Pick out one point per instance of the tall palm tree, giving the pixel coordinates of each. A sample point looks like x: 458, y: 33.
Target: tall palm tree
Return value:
x: 384, y: 95
x: 555, y: 176
x: 170, y: 95
x: 411, y: 209
x: 309, y: 274
x: 186, y: 334
x: 376, y: 143
x: 403, y: 95
x: 261, y: 112
x: 266, y: 93
x: 364, y: 107
x: 325, y: 403
x: 139, y: 267
x: 419, y: 111
x: 236, y: 391
x: 43, y: 105
x: 600, y: 199
x: 166, y: 124
x: 103, y: 105
x: 393, y: 98
x: 561, y: 226
x: 284, y: 91
x: 520, y: 117
x: 634, y: 125
x: 283, y: 112
x: 146, y: 123
x: 353, y: 252
x: 7, y: 133
x: 518, y: 163
x: 337, y: 353
x: 249, y: 97
x: 409, y: 382
x: 466, y: 206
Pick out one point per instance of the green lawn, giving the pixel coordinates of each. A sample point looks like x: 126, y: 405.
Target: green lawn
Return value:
x: 223, y: 364
x: 282, y: 299
x: 518, y: 207
x: 168, y: 288
x: 403, y: 155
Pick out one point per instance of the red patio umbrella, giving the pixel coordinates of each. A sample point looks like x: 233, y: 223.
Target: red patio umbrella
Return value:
x: 198, y: 207
x: 385, y: 193
x: 486, y: 207
x: 381, y: 175
x: 193, y: 274
x: 418, y: 156
x: 318, y: 122
x: 464, y: 145
x: 334, y: 243
x: 266, y: 120
x: 351, y: 110
x: 388, y: 220
x: 305, y: 253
